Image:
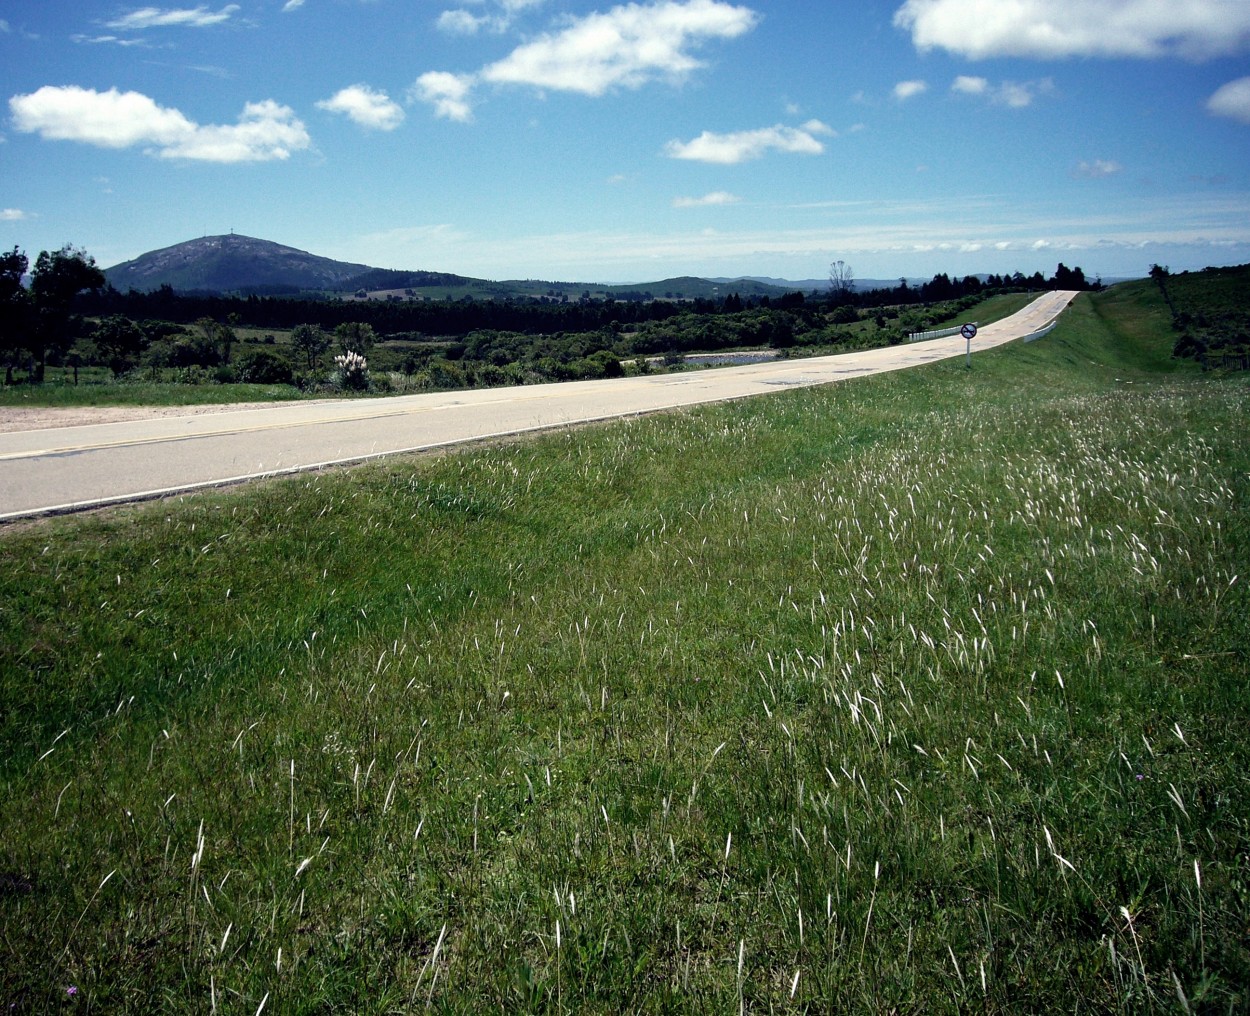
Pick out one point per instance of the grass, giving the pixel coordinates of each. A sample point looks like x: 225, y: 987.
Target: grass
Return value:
x: 924, y: 693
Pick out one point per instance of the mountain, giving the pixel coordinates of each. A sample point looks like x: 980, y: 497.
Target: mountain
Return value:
x: 233, y: 263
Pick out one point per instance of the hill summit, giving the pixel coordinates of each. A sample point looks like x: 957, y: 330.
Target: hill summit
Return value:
x: 232, y: 263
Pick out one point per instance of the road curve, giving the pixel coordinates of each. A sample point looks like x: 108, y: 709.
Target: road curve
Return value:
x: 73, y: 468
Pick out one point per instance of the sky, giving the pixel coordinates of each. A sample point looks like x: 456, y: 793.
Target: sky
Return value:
x: 632, y: 142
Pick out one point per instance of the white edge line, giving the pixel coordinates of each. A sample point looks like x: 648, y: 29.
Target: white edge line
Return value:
x: 153, y: 495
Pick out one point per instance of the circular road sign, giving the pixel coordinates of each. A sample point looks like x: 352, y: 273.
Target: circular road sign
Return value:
x: 969, y: 331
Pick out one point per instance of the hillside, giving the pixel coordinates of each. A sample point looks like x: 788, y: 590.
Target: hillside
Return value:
x: 232, y: 263
x: 922, y: 693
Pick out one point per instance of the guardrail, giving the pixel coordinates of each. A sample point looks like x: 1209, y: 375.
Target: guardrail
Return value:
x: 940, y: 333
x: 1033, y: 336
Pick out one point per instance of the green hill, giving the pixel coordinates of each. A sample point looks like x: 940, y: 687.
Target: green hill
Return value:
x: 925, y: 692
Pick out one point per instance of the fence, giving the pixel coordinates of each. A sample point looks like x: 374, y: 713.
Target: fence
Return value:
x: 940, y: 333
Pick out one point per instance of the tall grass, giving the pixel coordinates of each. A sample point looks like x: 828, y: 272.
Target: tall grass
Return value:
x: 924, y: 693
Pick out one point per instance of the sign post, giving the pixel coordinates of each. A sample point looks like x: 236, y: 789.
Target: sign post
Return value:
x: 969, y: 332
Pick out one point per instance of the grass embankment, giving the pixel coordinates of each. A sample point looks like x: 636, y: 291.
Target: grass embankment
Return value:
x: 925, y: 693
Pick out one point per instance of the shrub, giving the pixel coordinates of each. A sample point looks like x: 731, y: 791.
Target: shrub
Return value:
x: 262, y: 367
x: 352, y: 372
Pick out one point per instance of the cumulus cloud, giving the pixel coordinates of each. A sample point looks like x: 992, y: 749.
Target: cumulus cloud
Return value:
x: 366, y: 107
x: 265, y: 130
x: 1098, y: 168
x: 1049, y: 29
x: 742, y: 146
x: 154, y: 17
x: 13, y: 215
x: 1015, y: 94
x: 714, y: 198
x: 447, y: 93
x: 463, y: 22
x: 1232, y: 100
x: 905, y: 90
x: 628, y: 46
x: 292, y: 5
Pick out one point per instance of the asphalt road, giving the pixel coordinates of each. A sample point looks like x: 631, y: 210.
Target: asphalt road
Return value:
x: 72, y: 468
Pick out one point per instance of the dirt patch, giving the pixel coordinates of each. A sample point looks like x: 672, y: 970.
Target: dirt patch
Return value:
x: 15, y: 418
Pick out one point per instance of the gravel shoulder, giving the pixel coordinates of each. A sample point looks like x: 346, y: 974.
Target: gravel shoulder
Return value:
x: 19, y: 418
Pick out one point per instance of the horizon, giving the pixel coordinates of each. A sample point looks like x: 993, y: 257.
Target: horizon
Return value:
x: 564, y: 139
x: 811, y: 282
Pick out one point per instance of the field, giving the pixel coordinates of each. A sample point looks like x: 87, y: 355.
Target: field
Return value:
x: 923, y: 693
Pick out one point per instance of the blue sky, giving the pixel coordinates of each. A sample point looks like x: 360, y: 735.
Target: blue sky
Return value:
x: 557, y: 139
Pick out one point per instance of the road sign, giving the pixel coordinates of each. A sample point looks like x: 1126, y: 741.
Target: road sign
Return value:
x: 969, y: 331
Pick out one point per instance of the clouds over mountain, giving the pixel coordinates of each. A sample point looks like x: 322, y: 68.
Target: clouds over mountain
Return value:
x: 265, y: 130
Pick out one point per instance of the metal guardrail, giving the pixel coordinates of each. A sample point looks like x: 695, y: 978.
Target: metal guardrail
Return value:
x: 940, y: 333
x: 1032, y: 336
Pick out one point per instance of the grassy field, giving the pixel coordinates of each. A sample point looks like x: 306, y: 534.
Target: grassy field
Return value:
x: 922, y: 693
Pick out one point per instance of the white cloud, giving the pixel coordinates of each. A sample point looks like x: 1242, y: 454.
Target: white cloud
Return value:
x: 265, y: 130
x: 292, y: 5
x: 742, y: 146
x: 102, y: 40
x: 714, y: 198
x: 1232, y: 100
x: 1015, y: 94
x: 905, y: 90
x: 966, y: 85
x: 366, y: 107
x: 447, y: 93
x: 1098, y: 168
x: 13, y: 215
x: 1049, y: 29
x: 4, y: 26
x: 625, y: 47
x: 154, y: 17
x: 464, y: 22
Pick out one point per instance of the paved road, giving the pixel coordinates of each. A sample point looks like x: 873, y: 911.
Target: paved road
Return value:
x: 66, y: 469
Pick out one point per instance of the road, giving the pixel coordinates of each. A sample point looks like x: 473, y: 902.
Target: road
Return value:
x: 72, y: 468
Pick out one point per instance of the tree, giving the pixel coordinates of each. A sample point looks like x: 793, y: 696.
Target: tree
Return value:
x: 120, y: 342
x: 1069, y: 278
x: 311, y: 341
x: 1160, y: 274
x: 57, y: 278
x: 355, y: 337
x: 14, y: 309
x: 841, y: 283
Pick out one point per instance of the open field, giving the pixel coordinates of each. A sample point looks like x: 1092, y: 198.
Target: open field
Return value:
x: 922, y: 693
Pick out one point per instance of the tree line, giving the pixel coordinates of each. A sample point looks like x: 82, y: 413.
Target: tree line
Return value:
x: 46, y: 308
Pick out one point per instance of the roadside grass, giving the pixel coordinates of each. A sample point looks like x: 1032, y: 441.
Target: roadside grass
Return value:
x: 924, y: 693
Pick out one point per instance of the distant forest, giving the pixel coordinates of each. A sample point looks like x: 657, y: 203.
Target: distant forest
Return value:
x: 70, y: 318
x: 532, y: 315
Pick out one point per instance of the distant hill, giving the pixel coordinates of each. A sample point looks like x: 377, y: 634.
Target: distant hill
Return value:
x: 232, y: 263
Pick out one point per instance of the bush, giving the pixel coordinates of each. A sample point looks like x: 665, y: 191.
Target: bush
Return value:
x: 352, y: 372
x: 264, y: 368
